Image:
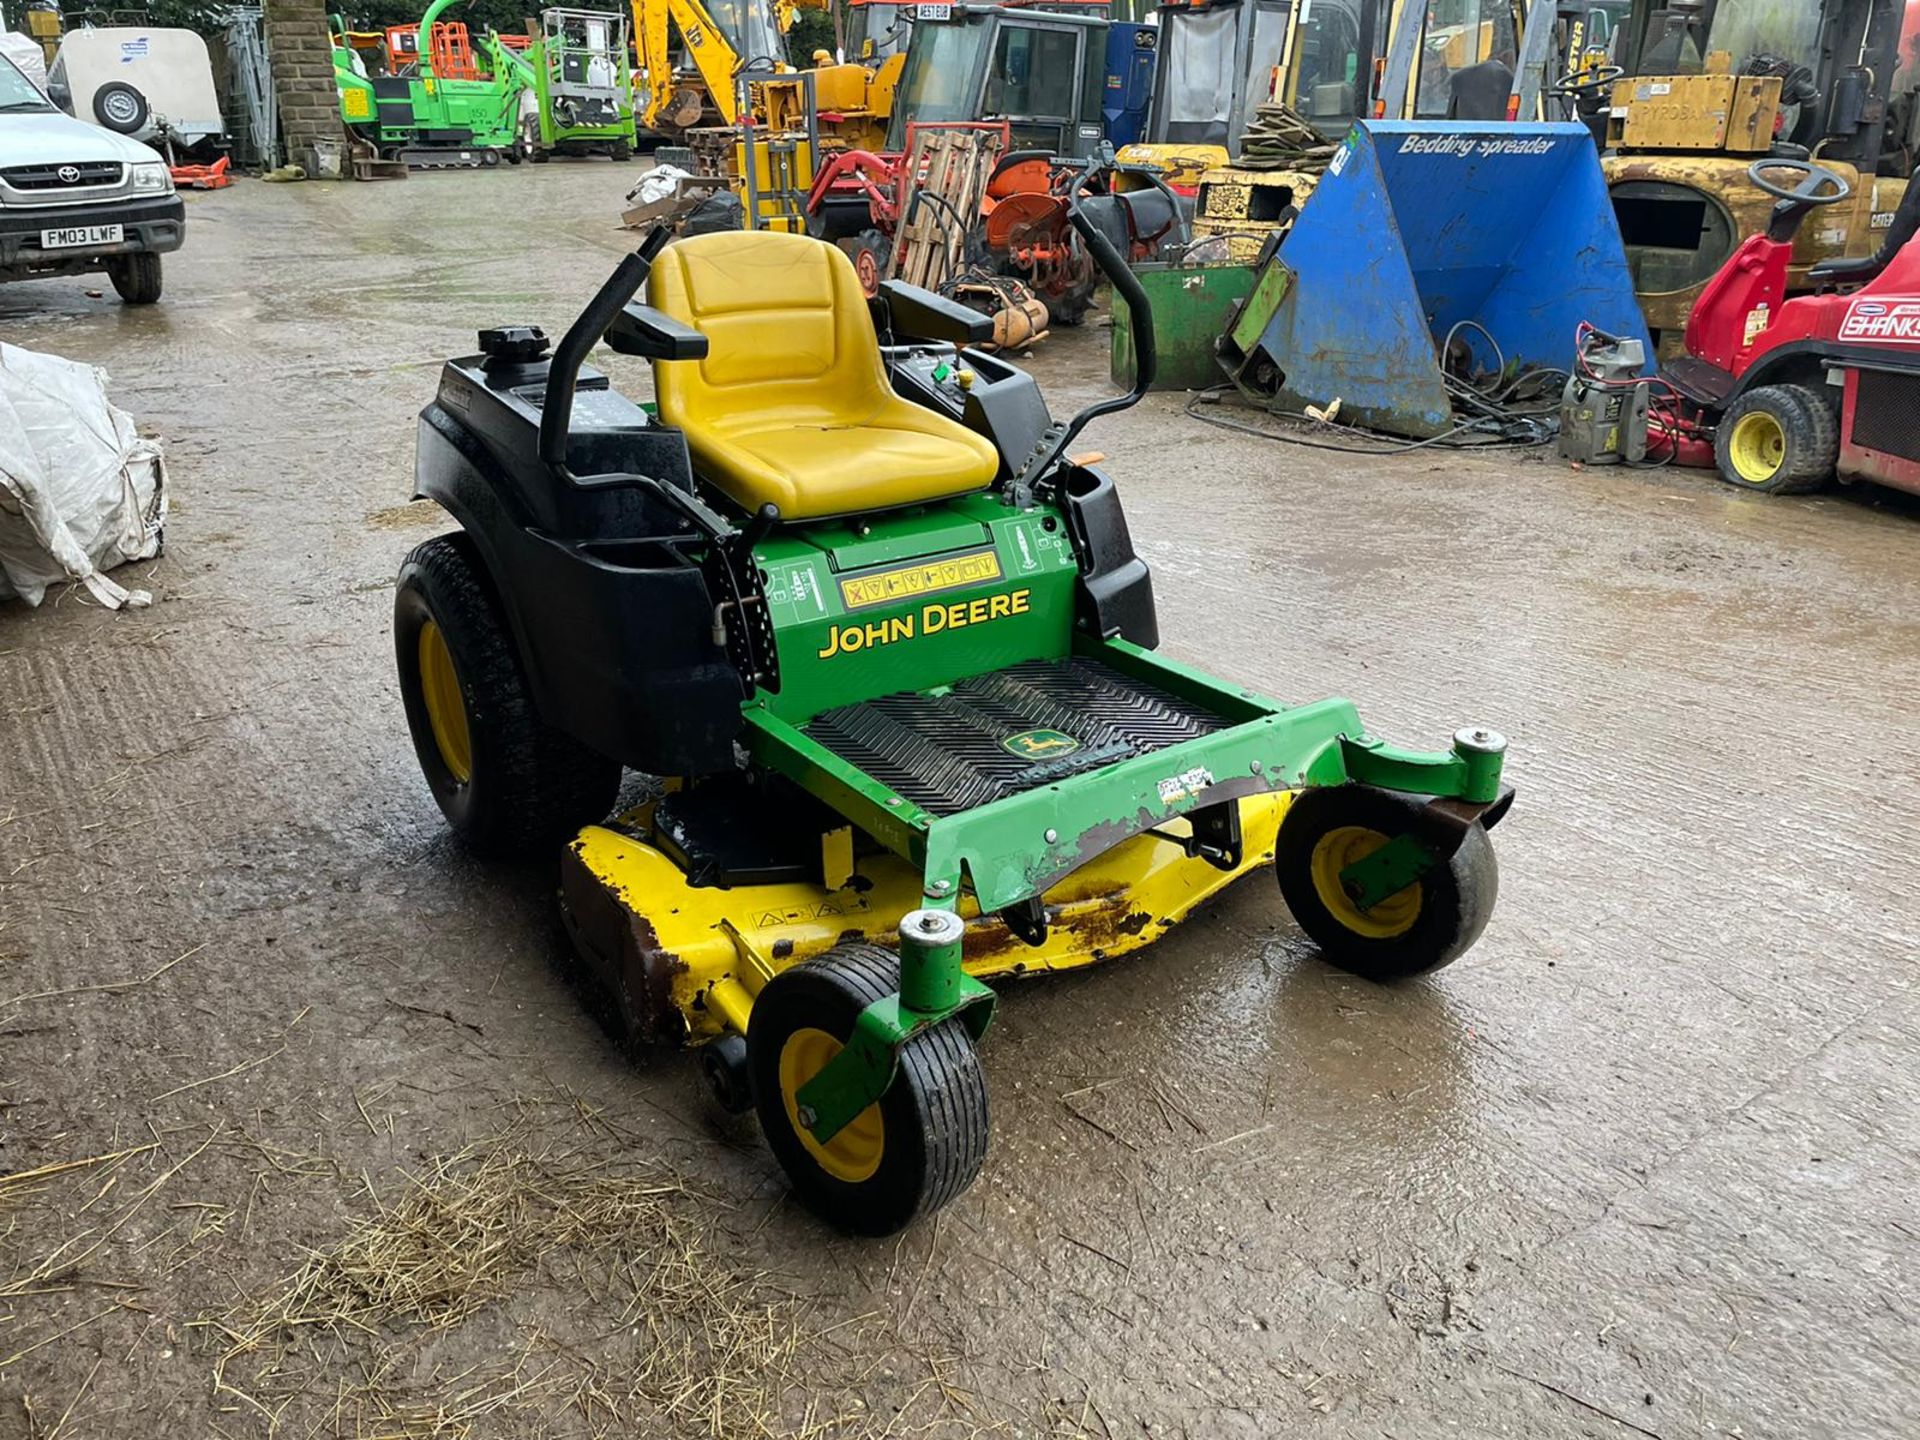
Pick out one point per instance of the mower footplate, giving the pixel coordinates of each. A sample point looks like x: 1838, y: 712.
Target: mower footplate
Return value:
x: 994, y: 735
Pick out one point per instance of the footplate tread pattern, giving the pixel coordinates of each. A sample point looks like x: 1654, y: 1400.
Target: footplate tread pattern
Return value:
x: 948, y: 751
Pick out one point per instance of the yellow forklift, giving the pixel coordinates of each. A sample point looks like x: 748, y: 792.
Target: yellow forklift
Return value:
x: 1714, y: 85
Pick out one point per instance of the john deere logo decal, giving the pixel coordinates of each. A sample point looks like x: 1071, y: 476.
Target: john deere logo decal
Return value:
x: 1039, y: 744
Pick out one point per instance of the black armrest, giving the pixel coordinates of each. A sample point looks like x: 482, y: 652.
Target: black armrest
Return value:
x: 1863, y: 268
x: 644, y: 331
x: 918, y: 314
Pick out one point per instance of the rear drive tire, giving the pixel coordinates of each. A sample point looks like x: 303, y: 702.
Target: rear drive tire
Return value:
x: 620, y: 151
x: 121, y: 108
x: 510, y: 785
x: 1778, y: 440
x: 136, y: 278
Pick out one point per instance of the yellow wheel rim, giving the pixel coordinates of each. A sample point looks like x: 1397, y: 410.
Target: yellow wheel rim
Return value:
x: 853, y: 1154
x: 1335, y: 851
x: 1757, y: 448
x: 446, y: 711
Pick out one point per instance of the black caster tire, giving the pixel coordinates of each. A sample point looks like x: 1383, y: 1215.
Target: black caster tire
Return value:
x: 1778, y: 440
x: 1431, y: 923
x: 137, y: 278
x: 510, y: 785
x: 906, y: 1155
x: 723, y: 1066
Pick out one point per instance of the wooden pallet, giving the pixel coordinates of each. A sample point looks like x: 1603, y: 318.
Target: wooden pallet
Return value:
x: 946, y: 178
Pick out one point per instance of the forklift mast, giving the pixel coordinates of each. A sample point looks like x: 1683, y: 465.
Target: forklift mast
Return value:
x: 1860, y: 53
x: 1856, y: 58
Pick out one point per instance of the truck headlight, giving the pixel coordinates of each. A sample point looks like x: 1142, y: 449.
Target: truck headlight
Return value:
x: 151, y: 175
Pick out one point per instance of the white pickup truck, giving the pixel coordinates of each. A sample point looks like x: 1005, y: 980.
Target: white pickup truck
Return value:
x: 76, y: 198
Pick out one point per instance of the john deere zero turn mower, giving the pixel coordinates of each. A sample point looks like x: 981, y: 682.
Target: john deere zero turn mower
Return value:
x: 892, y: 645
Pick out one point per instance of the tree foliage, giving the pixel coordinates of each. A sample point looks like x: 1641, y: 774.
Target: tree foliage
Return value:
x: 812, y: 30
x: 509, y: 17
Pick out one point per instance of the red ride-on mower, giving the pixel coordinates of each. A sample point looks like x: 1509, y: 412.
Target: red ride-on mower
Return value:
x: 1783, y: 395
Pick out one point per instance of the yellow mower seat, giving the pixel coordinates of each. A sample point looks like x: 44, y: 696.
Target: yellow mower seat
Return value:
x: 791, y: 404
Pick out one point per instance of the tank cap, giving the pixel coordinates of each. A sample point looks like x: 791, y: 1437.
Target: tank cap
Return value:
x: 928, y: 929
x: 1478, y: 740
x: 513, y: 344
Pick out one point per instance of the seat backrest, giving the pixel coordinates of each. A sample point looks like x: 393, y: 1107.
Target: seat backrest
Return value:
x: 789, y: 337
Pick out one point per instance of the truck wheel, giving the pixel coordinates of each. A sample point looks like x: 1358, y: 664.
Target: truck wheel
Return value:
x: 120, y: 107
x: 509, y: 784
x: 1430, y: 923
x: 136, y: 277
x: 904, y: 1156
x: 1778, y: 439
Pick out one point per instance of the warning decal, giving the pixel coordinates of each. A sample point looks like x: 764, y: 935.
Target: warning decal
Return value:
x: 1883, y: 320
x: 921, y: 579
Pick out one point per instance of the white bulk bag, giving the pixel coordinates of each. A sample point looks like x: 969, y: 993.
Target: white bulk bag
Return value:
x: 80, y: 491
x: 27, y: 56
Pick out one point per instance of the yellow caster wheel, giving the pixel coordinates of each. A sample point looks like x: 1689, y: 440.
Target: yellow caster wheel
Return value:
x: 1421, y: 927
x: 904, y: 1156
x: 1778, y: 439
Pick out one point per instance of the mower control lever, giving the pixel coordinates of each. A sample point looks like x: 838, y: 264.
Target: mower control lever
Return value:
x: 1127, y: 286
x: 563, y: 374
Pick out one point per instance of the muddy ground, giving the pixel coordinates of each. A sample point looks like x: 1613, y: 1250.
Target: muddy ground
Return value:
x: 1643, y: 1163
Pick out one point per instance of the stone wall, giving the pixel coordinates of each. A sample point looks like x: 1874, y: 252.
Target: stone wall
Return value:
x: 302, y: 55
